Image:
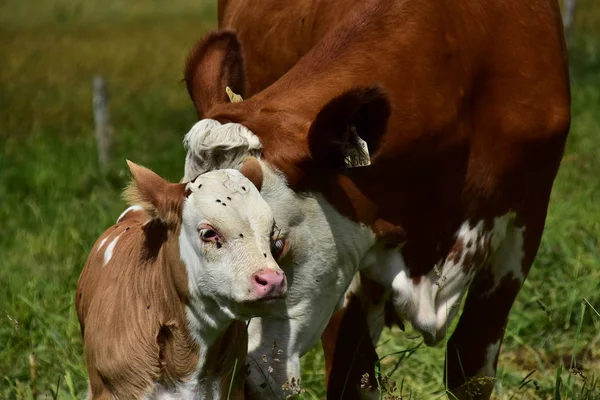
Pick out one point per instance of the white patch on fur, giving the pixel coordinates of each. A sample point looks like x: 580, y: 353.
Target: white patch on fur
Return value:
x: 508, y: 259
x: 212, y: 145
x: 186, y: 390
x: 183, y: 391
x: 432, y: 303
x: 109, y: 249
x: 102, y: 243
x: 489, y: 366
x: 134, y: 207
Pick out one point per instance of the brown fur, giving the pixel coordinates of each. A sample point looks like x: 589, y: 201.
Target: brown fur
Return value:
x: 205, y: 81
x: 251, y: 169
x: 352, y: 351
x: 161, y: 199
x: 132, y: 310
x: 480, y: 110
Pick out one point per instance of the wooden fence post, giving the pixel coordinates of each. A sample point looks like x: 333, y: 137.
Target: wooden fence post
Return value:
x: 568, y: 15
x: 102, y: 120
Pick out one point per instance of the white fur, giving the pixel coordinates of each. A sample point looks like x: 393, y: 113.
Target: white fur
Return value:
x: 183, y: 391
x: 102, y: 243
x: 508, y: 260
x: 217, y: 146
x: 134, y: 207
x: 109, y: 250
x: 432, y: 303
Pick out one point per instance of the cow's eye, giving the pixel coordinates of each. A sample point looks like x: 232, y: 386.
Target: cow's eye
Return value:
x: 277, y: 248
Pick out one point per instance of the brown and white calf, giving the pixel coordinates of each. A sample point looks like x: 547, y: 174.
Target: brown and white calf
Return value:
x: 465, y: 108
x: 163, y: 295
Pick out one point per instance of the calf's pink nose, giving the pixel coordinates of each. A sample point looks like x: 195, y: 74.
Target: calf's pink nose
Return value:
x: 269, y: 283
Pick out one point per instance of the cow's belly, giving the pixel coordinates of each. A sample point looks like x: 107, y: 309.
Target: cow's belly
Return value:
x: 430, y: 302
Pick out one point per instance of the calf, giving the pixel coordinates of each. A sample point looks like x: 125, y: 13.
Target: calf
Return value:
x: 164, y: 291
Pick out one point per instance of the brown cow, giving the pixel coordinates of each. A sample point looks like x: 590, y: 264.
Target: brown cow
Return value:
x: 164, y: 291
x: 465, y: 108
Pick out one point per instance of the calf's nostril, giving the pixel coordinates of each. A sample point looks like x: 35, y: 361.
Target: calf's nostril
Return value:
x: 260, y: 280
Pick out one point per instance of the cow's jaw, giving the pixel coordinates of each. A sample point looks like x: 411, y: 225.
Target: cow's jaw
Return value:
x: 326, y: 251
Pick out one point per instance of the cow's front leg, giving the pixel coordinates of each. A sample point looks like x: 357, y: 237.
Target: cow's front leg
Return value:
x: 349, y: 342
x: 273, y: 358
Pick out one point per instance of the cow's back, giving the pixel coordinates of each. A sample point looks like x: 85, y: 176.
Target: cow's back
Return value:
x: 479, y: 93
x: 276, y: 34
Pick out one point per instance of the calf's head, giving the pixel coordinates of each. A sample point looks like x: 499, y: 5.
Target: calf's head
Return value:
x: 225, y: 235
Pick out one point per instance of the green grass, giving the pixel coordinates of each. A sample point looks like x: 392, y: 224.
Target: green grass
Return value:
x: 54, y: 201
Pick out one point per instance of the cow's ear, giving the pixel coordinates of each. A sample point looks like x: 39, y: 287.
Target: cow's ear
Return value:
x: 215, y: 63
x: 161, y: 199
x: 334, y: 136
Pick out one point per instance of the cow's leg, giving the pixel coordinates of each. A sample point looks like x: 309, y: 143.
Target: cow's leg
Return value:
x: 472, y: 351
x: 349, y: 342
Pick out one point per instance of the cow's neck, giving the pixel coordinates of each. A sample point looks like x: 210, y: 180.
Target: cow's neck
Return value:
x: 326, y: 237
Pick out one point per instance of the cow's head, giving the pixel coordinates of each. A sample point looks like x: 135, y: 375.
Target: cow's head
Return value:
x: 222, y: 230
x: 302, y: 140
x: 300, y: 133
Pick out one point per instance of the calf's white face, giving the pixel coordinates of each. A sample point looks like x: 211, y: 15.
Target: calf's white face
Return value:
x: 226, y: 238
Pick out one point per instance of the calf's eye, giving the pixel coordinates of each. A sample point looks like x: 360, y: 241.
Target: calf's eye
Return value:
x: 208, y: 235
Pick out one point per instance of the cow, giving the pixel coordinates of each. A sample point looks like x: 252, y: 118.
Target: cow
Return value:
x: 165, y: 291
x: 408, y: 150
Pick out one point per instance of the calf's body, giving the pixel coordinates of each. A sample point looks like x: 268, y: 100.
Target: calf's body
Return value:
x: 164, y: 292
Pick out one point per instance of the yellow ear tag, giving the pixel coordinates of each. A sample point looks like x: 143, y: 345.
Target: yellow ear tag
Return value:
x: 233, y: 98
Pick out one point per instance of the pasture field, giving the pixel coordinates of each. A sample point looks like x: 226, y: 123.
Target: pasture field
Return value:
x: 55, y: 201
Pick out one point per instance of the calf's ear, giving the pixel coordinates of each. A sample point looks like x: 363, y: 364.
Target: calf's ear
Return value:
x: 252, y: 170
x: 215, y: 63
x: 161, y: 199
x: 334, y: 134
